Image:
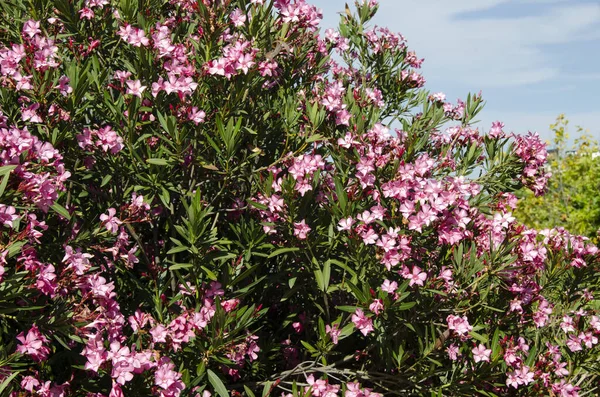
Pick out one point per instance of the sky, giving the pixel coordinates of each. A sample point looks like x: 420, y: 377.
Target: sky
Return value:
x: 532, y: 59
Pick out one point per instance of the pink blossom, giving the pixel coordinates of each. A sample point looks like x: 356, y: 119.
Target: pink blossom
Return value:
x: 416, y: 276
x: 197, y: 116
x: 7, y: 215
x: 135, y: 87
x: 362, y: 323
x: 110, y: 221
x: 301, y: 229
x: 480, y: 353
x: 345, y: 224
x: 63, y: 86
x: 564, y: 389
x: 29, y: 383
x: 460, y: 325
x: 31, y: 28
x: 453, y: 352
x: 377, y: 306
x: 237, y: 17
x: 389, y: 286
x: 33, y: 344
x: 334, y: 332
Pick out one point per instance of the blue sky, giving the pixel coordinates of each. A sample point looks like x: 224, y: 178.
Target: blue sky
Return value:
x: 532, y: 59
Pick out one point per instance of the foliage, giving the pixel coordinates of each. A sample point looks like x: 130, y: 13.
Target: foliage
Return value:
x: 205, y: 198
x: 572, y: 199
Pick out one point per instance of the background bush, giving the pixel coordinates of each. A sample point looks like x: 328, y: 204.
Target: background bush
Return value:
x: 205, y: 198
x: 571, y: 199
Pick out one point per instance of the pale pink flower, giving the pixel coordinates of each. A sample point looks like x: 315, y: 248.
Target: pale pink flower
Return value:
x: 389, y: 286
x: 135, y: 88
x: 33, y: 344
x: 460, y: 325
x: 31, y: 28
x: 345, y: 224
x: 8, y: 215
x: 417, y: 277
x: 481, y: 353
x: 197, y: 116
x: 453, y: 352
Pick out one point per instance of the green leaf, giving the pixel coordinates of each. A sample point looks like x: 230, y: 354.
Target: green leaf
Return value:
x: 155, y: 161
x: 283, y: 251
x: 7, y: 381
x: 249, y: 392
x: 479, y: 337
x: 266, y: 389
x: 217, y: 384
x: 319, y: 278
x: 60, y: 210
x: 180, y: 266
x: 6, y: 169
x: 326, y: 275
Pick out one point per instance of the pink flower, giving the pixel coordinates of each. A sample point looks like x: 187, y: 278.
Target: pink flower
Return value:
x: 110, y: 221
x: 197, y: 116
x: 417, y: 277
x: 31, y: 28
x: 159, y: 334
x: 7, y: 215
x: 518, y: 377
x: 108, y: 139
x: 345, y: 224
x: 369, y: 237
x: 167, y: 378
x: 389, y: 286
x: 453, y: 352
x: 230, y: 304
x: 362, y: 323
x: 30, y: 113
x: 237, y: 17
x: 29, y: 383
x: 564, y: 389
x: 334, y: 332
x: 376, y: 307
x: 33, y: 344
x: 135, y: 88
x: 480, y: 353
x: 460, y: 325
x: 63, y: 86
x: 301, y: 230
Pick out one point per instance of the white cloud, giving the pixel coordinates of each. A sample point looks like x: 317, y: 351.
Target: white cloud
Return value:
x: 465, y: 52
x: 486, y: 51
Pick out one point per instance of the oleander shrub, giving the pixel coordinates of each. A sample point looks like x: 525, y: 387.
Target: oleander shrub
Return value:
x: 216, y: 198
